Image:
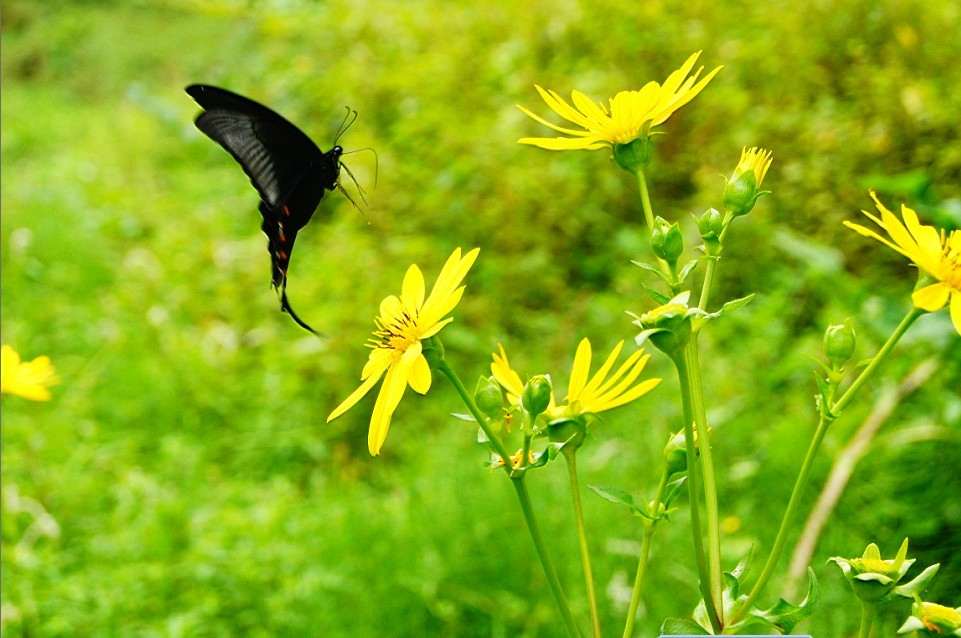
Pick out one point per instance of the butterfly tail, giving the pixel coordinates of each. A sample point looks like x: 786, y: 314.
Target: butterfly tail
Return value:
x: 285, y: 307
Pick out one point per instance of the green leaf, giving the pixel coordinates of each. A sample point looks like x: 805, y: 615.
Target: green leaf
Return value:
x: 687, y: 270
x: 653, y: 269
x: 615, y: 495
x: 918, y: 584
x: 464, y: 417
x: 659, y: 299
x: 737, y: 304
x: 682, y: 627
x: 785, y: 615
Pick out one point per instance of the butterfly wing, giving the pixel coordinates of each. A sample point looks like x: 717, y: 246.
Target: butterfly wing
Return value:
x: 274, y: 153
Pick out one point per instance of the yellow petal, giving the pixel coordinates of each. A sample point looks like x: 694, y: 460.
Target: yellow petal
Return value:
x: 355, y: 396
x: 419, y: 379
x: 563, y: 144
x: 391, y: 392
x: 600, y: 375
x: 580, y: 370
x: 931, y: 298
x: 412, y: 291
x: 956, y: 310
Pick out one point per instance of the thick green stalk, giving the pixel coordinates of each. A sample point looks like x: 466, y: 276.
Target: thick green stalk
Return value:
x: 867, y: 619
x: 552, y: 580
x: 642, y: 561
x: 571, y: 458
x: 693, y: 472
x: 706, y: 463
x: 801, y: 484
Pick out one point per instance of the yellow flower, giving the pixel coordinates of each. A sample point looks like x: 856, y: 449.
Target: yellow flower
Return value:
x: 601, y: 393
x: 631, y: 114
x: 404, y: 322
x: 933, y: 252
x: 27, y: 380
x: 756, y: 160
x: 505, y: 375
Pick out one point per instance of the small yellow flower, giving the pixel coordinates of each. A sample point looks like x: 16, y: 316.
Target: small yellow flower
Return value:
x: 933, y: 252
x: 755, y: 160
x: 505, y: 375
x: 601, y: 393
x: 631, y: 114
x: 27, y: 380
x: 397, y: 349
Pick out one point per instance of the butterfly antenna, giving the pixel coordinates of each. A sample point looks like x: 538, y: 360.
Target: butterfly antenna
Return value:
x: 349, y: 119
x: 285, y: 307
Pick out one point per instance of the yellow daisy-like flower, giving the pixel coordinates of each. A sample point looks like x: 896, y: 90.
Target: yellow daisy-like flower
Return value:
x: 753, y: 160
x: 932, y: 251
x: 631, y: 114
x: 583, y: 396
x: 29, y: 380
x: 505, y: 375
x: 601, y: 393
x: 397, y: 349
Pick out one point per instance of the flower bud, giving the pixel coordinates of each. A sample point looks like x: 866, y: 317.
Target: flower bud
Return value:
x: 872, y: 577
x: 634, y: 155
x: 568, y: 431
x: 537, y: 395
x: 668, y: 327
x: 839, y: 342
x: 666, y: 240
x: 488, y: 397
x: 675, y: 454
x: 711, y: 226
x: 742, y: 189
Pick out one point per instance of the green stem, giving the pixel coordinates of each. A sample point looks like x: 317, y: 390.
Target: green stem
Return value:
x: 693, y: 471
x: 878, y: 359
x: 711, y: 268
x: 706, y: 461
x: 571, y: 458
x: 642, y: 561
x: 867, y: 619
x: 517, y: 480
x: 788, y: 520
x: 802, y: 481
x: 555, y: 584
x: 468, y: 400
x: 669, y: 275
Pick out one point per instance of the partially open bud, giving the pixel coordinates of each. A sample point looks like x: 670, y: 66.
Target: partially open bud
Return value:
x: 634, y: 155
x: 872, y: 577
x: 675, y: 454
x: 839, y: 341
x: 743, y: 188
x: 668, y: 327
x: 488, y: 397
x: 667, y: 241
x: 537, y: 395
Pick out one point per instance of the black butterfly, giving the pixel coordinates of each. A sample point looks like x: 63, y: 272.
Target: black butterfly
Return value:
x: 288, y: 170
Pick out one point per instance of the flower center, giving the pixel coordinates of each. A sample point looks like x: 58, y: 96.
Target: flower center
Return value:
x: 396, y: 334
x: 951, y: 260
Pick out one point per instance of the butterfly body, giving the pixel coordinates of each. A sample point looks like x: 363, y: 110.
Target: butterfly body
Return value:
x: 291, y: 174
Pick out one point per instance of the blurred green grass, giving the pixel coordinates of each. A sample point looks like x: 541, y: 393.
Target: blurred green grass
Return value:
x: 183, y: 481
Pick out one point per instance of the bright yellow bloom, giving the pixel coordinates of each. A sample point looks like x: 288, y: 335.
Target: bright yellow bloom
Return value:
x: 933, y: 252
x: 505, y: 375
x: 631, y: 114
x: 27, y: 380
x: 756, y: 160
x: 601, y: 393
x: 397, y: 350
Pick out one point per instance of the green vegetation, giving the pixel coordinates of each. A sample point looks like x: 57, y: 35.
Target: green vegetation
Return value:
x: 183, y: 481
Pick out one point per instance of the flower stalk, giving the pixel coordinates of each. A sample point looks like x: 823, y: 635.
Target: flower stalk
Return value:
x: 570, y: 456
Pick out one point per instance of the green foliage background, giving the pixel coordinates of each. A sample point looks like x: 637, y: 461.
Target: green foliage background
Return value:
x: 183, y: 481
